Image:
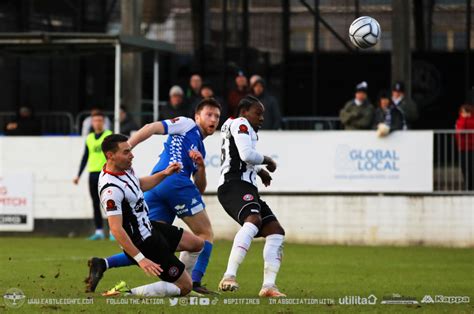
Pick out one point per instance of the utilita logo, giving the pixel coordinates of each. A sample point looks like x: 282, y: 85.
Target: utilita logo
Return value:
x: 358, y: 300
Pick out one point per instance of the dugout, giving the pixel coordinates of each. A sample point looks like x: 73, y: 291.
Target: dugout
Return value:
x: 70, y: 44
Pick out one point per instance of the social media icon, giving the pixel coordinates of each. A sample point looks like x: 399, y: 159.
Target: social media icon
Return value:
x: 173, y: 301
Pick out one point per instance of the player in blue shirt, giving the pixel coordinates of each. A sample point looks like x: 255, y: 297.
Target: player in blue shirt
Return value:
x: 177, y: 195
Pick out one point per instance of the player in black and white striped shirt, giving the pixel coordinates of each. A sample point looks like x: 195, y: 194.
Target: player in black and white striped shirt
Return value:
x: 150, y: 244
x: 238, y: 194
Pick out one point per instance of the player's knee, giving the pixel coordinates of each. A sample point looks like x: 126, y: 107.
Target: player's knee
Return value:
x: 279, y: 230
x: 206, y: 234
x: 255, y: 220
x: 198, y: 245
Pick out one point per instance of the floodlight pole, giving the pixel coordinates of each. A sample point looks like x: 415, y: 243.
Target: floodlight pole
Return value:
x: 118, y: 55
x: 156, y: 87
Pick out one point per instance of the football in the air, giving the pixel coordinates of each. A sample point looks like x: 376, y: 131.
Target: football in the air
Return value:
x: 364, y: 32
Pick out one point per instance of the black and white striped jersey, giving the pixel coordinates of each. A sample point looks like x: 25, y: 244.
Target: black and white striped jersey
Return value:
x: 239, y: 157
x: 120, y: 194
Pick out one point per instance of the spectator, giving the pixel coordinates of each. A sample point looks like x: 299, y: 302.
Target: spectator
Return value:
x: 272, y: 117
x: 87, y: 123
x: 176, y: 107
x: 408, y: 106
x: 194, y: 90
x: 127, y: 125
x: 388, y: 117
x: 358, y: 113
x: 94, y: 158
x: 25, y: 123
x: 254, y: 78
x: 465, y: 142
x: 236, y: 94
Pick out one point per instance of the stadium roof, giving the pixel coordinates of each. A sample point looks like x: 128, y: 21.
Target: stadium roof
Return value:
x: 44, y: 43
x: 76, y: 43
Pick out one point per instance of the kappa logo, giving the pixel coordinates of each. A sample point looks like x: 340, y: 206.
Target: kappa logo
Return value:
x: 248, y: 197
x: 427, y: 299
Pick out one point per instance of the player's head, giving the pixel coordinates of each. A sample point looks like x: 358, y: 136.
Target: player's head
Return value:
x: 118, y: 151
x: 208, y: 113
x: 98, y: 122
x: 252, y: 109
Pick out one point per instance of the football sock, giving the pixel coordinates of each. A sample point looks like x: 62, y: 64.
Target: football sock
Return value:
x: 202, y: 262
x: 99, y: 231
x: 118, y: 260
x: 272, y: 255
x: 157, y: 289
x: 189, y: 260
x: 241, y: 244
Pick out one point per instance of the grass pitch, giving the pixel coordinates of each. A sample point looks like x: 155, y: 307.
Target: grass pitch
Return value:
x: 50, y: 271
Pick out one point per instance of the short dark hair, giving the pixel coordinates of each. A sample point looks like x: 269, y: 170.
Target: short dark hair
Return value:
x: 110, y: 143
x: 211, y: 102
x: 247, y: 102
x: 98, y: 114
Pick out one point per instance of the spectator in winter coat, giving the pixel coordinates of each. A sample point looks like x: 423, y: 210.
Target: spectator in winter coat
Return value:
x: 358, y: 113
x: 465, y: 143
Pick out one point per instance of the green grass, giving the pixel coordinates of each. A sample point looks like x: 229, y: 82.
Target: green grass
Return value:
x: 56, y: 267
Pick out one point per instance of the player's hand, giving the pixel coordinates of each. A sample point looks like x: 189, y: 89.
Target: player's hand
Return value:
x: 172, y: 168
x: 150, y: 268
x: 271, y: 164
x: 197, y: 158
x: 75, y: 180
x: 265, y: 177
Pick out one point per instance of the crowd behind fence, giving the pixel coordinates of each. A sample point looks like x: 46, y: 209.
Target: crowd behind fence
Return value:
x: 453, y: 158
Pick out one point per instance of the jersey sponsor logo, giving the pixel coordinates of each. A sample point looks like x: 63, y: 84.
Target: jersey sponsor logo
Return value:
x: 109, y: 192
x: 173, y: 271
x: 248, y: 197
x: 110, y: 205
x: 243, y: 129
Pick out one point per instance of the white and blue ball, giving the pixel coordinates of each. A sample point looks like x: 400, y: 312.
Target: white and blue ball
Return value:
x: 365, y: 32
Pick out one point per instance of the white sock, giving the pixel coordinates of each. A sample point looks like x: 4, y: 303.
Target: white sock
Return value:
x: 99, y: 231
x: 157, y: 289
x: 272, y: 255
x: 189, y: 260
x: 242, y: 242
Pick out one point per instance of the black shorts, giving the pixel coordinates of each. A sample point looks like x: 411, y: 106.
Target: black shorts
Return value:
x: 160, y: 248
x: 240, y: 199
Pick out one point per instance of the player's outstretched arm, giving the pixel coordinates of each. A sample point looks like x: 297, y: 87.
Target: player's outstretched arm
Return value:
x: 149, y: 182
x: 199, y: 176
x: 146, y: 132
x: 149, y: 267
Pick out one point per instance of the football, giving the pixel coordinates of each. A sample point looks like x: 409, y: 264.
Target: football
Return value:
x: 364, y: 32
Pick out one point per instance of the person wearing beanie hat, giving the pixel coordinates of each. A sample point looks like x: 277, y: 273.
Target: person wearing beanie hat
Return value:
x: 388, y: 117
x: 358, y: 113
x: 408, y: 106
x: 272, y: 115
x: 176, y: 106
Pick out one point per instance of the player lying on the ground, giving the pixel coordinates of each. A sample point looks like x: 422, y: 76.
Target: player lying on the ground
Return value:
x: 178, y: 195
x: 150, y: 245
x: 239, y: 196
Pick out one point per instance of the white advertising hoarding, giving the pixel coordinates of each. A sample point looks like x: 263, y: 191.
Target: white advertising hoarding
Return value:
x: 329, y: 161
x: 16, y: 202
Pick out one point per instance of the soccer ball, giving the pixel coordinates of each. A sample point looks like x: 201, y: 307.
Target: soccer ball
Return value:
x: 364, y: 32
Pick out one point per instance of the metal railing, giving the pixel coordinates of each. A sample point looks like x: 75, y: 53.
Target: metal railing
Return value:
x: 311, y: 123
x: 453, y: 162
x: 52, y: 123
